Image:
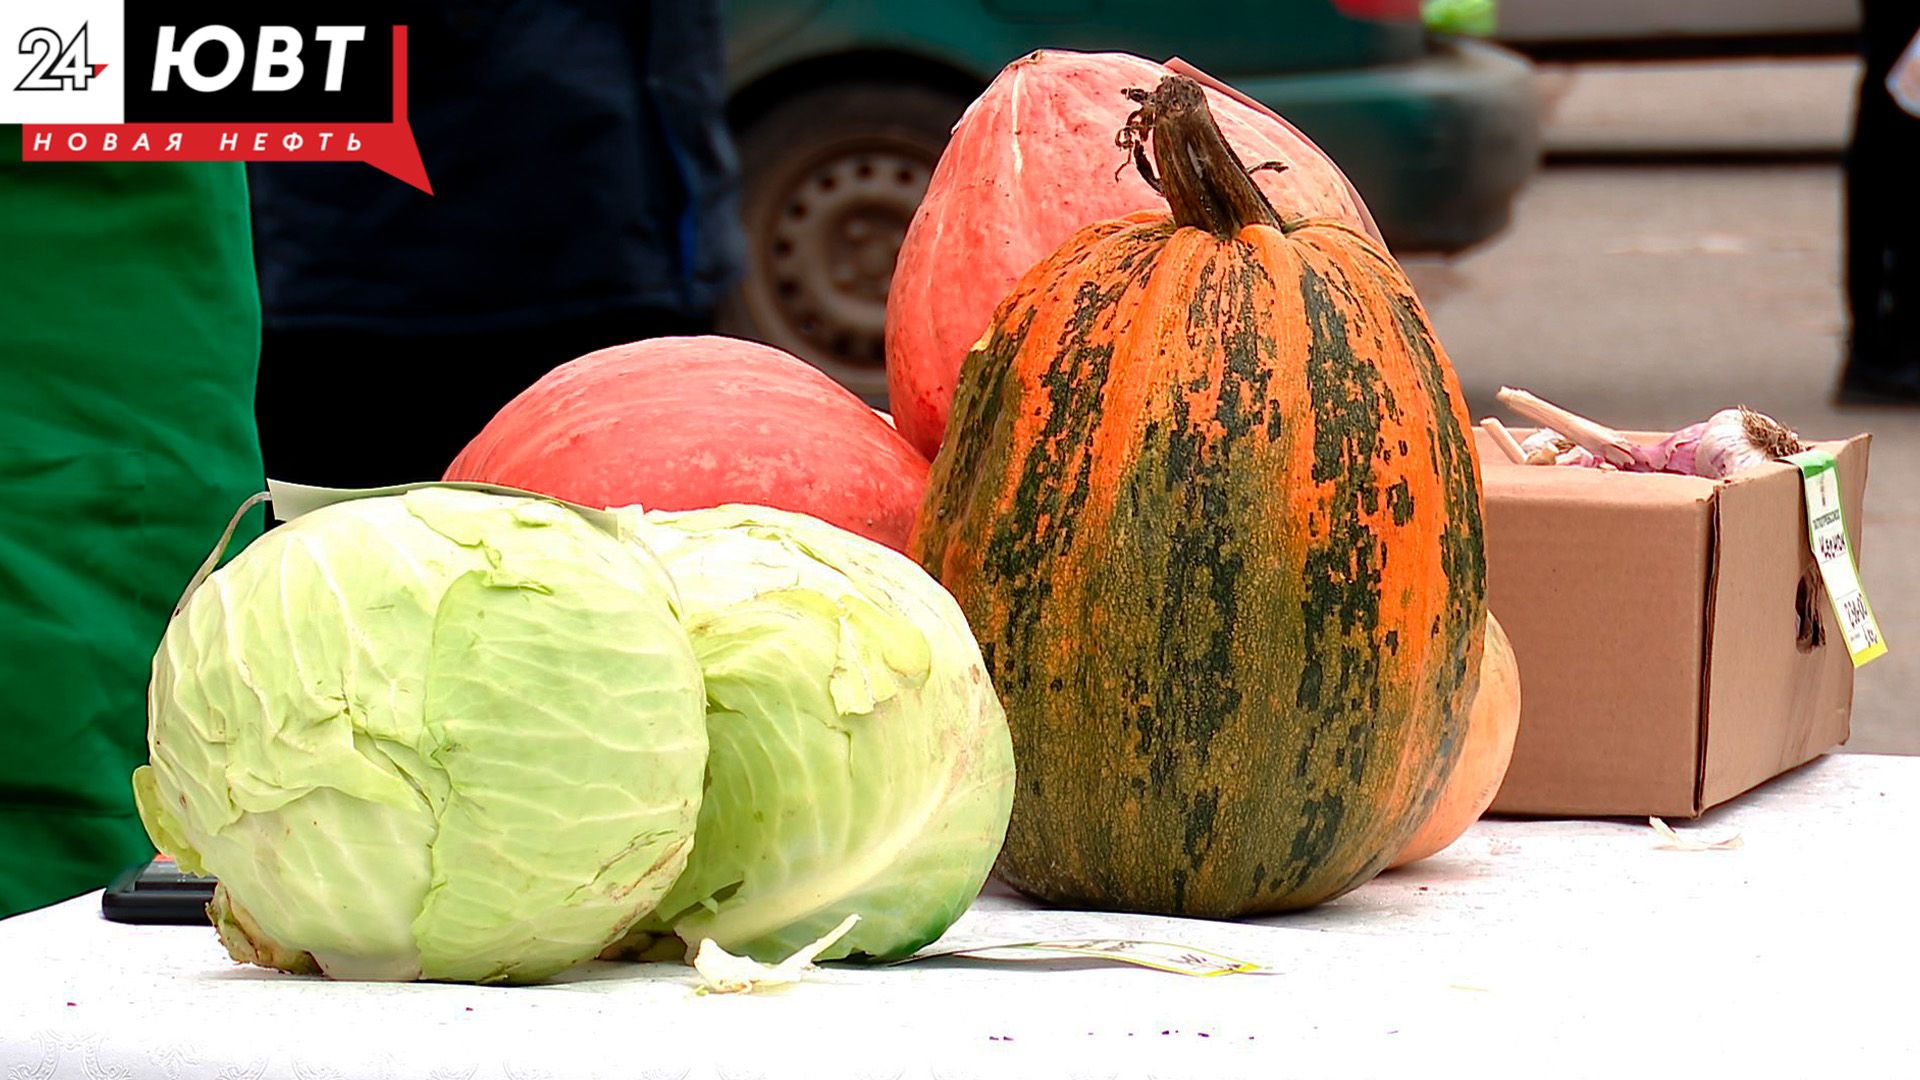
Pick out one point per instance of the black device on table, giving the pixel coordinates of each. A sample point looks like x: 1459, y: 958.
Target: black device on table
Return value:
x: 158, y: 892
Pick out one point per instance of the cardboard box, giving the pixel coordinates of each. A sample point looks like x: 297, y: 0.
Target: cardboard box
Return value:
x: 1675, y: 646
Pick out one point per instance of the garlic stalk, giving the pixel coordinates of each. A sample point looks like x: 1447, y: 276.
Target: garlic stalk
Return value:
x: 1504, y: 439
x: 1603, y: 442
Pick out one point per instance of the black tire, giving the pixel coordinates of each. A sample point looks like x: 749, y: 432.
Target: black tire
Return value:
x: 830, y: 179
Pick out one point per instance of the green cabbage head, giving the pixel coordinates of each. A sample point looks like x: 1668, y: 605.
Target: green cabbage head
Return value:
x: 439, y: 735
x: 860, y: 762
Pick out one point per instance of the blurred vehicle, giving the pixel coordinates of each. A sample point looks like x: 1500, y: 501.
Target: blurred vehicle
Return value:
x: 1584, y: 29
x: 843, y: 106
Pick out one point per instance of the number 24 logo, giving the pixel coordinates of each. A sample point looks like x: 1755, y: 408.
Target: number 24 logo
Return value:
x: 57, y: 65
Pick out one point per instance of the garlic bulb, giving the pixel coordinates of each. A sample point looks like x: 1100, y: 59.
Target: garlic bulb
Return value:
x: 1548, y: 447
x: 1677, y: 452
x: 1735, y: 440
x: 1543, y: 446
x: 1726, y: 443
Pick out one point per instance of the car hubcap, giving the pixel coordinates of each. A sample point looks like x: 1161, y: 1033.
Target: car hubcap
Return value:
x: 830, y: 248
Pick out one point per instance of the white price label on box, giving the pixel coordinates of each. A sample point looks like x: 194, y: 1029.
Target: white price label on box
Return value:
x: 1827, y: 532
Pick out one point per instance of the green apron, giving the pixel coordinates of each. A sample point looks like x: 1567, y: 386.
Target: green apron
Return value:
x: 129, y: 342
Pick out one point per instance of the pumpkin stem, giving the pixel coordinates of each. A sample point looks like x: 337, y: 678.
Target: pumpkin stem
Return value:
x: 1204, y: 181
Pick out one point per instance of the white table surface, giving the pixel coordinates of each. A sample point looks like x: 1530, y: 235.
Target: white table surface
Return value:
x: 1528, y: 949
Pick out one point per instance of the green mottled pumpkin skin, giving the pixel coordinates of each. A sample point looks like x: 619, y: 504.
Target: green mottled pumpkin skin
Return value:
x: 1211, y: 507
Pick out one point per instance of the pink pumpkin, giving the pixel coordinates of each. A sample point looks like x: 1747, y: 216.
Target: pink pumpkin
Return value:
x: 1032, y: 162
x: 691, y: 422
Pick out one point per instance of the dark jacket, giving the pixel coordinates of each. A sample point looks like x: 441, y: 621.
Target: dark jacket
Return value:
x: 580, y: 162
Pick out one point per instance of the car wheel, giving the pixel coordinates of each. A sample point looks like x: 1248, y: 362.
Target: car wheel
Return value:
x: 830, y: 179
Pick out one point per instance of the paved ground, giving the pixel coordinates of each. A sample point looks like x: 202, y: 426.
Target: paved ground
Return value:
x: 1790, y: 106
x: 1654, y: 295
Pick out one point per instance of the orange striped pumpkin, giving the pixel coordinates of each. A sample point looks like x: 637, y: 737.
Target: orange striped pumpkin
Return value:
x: 1209, y: 503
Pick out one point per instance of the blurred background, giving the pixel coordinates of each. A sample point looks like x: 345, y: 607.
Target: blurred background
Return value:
x: 1634, y: 208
